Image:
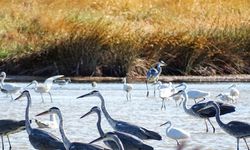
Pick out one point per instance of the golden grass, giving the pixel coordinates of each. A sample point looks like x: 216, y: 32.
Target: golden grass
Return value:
x: 194, y: 37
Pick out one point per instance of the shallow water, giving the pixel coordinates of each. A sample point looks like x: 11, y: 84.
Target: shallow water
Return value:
x: 141, y: 111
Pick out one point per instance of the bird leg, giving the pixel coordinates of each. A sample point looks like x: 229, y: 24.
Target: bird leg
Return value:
x: 154, y: 90
x: 238, y: 140
x: 50, y: 97
x: 206, y: 125
x: 2, y: 142
x: 163, y: 104
x: 211, y: 125
x: 195, y: 101
x: 127, y: 96
x: 147, y: 88
x: 42, y: 97
x: 177, y: 142
x: 9, y: 141
x: 246, y: 143
x: 11, y: 97
x: 130, y: 96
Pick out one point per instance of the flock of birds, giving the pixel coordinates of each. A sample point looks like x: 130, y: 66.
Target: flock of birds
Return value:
x: 126, y: 136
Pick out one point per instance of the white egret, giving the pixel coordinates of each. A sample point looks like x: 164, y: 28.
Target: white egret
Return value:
x: 51, y: 123
x: 8, y: 88
x: 194, y: 93
x: 153, y: 74
x: 165, y: 91
x: 127, y: 88
x: 45, y: 87
x: 175, y: 133
x: 234, y: 92
x: 93, y: 84
x: 226, y: 97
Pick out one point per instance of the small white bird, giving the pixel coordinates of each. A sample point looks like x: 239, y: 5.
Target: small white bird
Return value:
x: 234, y: 92
x: 8, y: 88
x: 127, y: 88
x: 51, y: 123
x: 165, y: 91
x: 226, y: 97
x: 175, y: 133
x: 194, y: 93
x: 45, y: 87
x: 93, y: 84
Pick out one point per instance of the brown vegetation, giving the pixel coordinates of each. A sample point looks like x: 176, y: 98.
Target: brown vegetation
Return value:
x: 119, y: 38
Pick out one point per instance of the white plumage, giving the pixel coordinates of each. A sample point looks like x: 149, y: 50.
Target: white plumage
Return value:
x: 127, y: 88
x: 165, y: 91
x: 46, y: 86
x: 234, y: 92
x: 8, y: 88
x: 176, y: 133
x: 226, y: 97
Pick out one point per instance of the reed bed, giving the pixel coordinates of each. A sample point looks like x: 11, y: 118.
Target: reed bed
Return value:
x: 119, y: 38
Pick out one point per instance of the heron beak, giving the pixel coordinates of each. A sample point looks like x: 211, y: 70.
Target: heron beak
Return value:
x: 18, y: 97
x: 28, y: 85
x: 164, y: 123
x: 43, y: 113
x: 96, y: 140
x: 88, y: 113
x: 85, y: 95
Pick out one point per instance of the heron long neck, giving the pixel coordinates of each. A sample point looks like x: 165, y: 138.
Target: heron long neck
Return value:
x: 217, y: 116
x: 106, y: 114
x: 98, y: 124
x: 169, y: 127
x: 159, y: 69
x: 27, y: 120
x: 188, y: 111
x: 52, y: 117
x: 66, y: 141
x: 2, y: 80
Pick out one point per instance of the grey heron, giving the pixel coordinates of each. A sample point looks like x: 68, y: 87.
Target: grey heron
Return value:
x: 206, y: 113
x: 110, y: 136
x: 175, y: 133
x: 45, y: 87
x: 127, y: 88
x: 238, y: 129
x: 153, y: 74
x: 69, y: 145
x: 8, y: 126
x: 8, y: 88
x: 123, y: 126
x: 39, y: 139
x: 129, y: 142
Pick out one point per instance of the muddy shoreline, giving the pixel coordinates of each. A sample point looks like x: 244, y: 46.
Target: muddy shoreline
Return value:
x: 141, y: 79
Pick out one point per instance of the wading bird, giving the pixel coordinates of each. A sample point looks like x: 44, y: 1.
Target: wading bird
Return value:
x: 127, y: 88
x: 44, y: 87
x: 193, y: 93
x: 234, y: 92
x: 8, y: 127
x: 8, y: 88
x: 93, y: 84
x: 129, y: 142
x: 153, y: 74
x: 165, y: 91
x: 39, y: 139
x: 205, y: 113
x: 175, y: 133
x: 123, y: 126
x: 51, y: 123
x: 69, y: 145
x: 225, y: 97
x: 238, y: 129
x: 110, y: 136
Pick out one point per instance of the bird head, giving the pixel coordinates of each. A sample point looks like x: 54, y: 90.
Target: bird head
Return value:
x: 162, y: 63
x: 110, y: 136
x: 52, y: 110
x: 93, y: 93
x: 94, y: 109
x: 178, y: 93
x: 232, y: 86
x: 23, y: 94
x: 219, y: 95
x: 3, y: 74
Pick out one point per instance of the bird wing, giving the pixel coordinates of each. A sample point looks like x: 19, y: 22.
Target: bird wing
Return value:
x: 7, y: 126
x: 177, y: 133
x: 152, y: 74
x: 49, y: 81
x: 137, y: 131
x: 43, y: 140
x: 242, y: 129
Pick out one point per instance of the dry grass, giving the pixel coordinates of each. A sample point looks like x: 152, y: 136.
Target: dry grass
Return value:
x: 118, y: 38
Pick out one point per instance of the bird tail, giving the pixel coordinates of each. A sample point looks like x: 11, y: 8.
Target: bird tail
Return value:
x: 153, y: 135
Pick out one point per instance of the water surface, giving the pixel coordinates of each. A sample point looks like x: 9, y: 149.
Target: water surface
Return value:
x: 142, y: 111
